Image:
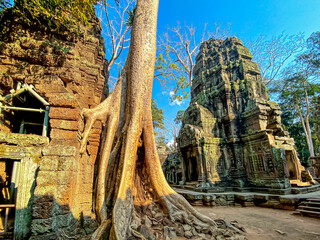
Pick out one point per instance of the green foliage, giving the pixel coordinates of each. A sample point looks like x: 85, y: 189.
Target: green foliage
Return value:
x: 179, y: 117
x: 56, y: 47
x: 131, y: 14
x: 297, y: 92
x: 295, y: 129
x: 54, y: 14
x: 314, y: 50
x: 169, y: 72
x: 160, y: 131
x: 157, y: 116
x: 162, y: 141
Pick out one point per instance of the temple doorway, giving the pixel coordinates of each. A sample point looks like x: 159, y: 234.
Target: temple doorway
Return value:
x: 9, y: 181
x: 192, y: 169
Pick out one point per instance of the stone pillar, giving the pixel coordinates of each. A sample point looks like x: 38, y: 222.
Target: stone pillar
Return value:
x: 201, y: 164
x: 183, y: 167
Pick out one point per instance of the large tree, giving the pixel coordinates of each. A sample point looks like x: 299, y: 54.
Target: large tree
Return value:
x: 300, y: 87
x: 130, y: 182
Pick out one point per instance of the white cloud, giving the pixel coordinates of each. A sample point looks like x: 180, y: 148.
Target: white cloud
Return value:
x: 176, y: 101
x: 170, y: 143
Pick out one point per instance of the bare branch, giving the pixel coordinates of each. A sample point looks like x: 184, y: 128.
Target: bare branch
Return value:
x: 272, y: 55
x: 179, y: 45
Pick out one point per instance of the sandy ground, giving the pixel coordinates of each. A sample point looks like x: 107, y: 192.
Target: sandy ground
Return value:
x: 267, y: 224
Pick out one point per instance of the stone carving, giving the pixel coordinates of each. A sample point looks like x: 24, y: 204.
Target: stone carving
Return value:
x: 231, y: 134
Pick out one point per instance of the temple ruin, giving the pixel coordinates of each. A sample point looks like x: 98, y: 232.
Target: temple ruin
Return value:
x: 46, y: 79
x: 231, y: 135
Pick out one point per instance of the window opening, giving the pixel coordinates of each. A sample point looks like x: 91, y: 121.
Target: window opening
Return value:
x: 27, y: 110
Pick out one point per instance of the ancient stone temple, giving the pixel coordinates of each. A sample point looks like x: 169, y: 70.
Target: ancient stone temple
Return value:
x: 231, y: 134
x: 46, y: 78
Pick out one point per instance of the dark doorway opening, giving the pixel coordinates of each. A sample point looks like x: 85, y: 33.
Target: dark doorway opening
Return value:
x: 9, y: 181
x: 193, y: 170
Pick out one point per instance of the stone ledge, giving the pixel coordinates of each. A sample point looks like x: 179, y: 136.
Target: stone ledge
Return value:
x: 24, y: 140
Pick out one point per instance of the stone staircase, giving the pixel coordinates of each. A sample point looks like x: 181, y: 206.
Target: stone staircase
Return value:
x: 191, y: 185
x: 310, y: 207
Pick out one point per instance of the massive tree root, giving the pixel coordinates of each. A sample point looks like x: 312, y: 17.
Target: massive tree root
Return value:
x: 132, y: 197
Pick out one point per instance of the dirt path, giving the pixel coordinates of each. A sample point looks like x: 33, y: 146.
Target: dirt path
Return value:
x: 268, y: 224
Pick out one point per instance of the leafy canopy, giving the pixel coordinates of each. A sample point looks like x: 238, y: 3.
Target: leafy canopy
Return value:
x: 55, y: 14
x: 298, y: 92
x: 157, y: 116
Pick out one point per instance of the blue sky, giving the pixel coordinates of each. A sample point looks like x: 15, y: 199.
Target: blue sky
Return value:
x: 249, y: 19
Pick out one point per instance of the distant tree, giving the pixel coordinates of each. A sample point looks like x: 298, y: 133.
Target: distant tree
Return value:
x: 157, y: 116
x: 299, y: 90
x: 273, y: 55
x: 177, y: 49
x: 294, y: 126
x: 313, y: 44
x: 179, y: 117
x: 174, y: 127
x: 162, y: 140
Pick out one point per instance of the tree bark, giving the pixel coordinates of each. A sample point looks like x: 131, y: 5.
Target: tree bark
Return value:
x: 130, y: 185
x: 309, y: 132
x: 306, y: 129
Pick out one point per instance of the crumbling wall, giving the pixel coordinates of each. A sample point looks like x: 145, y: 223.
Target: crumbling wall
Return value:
x: 66, y: 69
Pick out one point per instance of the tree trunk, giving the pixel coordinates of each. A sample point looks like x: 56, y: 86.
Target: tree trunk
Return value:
x: 309, y: 136
x: 306, y: 132
x: 131, y: 189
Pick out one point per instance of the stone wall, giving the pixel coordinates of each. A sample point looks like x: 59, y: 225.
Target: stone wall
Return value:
x: 67, y: 71
x: 231, y: 133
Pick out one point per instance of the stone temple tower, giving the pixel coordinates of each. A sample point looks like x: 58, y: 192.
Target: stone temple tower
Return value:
x: 231, y: 134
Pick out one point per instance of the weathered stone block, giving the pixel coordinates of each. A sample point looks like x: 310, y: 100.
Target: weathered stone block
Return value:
x: 47, y: 178
x: 41, y: 226
x: 63, y: 178
x: 43, y: 207
x: 49, y: 163
x: 64, y: 113
x: 25, y: 140
x: 62, y: 206
x: 63, y: 134
x: 65, y: 220
x: 65, y: 163
x: 59, y: 150
x: 64, y: 124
